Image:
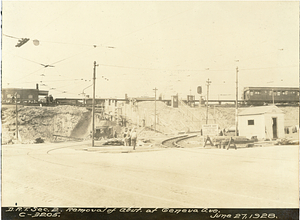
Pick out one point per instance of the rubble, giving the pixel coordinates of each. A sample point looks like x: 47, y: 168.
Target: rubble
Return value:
x: 73, y: 122
x: 286, y: 141
x: 41, y: 122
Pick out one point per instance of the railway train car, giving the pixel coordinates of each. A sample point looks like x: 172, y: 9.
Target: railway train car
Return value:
x: 68, y: 101
x: 278, y: 95
x: 98, y: 102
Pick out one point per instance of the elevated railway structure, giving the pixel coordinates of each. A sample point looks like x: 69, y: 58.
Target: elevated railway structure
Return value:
x: 250, y: 96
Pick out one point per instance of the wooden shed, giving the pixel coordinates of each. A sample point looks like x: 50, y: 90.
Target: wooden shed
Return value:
x: 264, y: 122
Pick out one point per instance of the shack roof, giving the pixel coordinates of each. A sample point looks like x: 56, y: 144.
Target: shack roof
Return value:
x: 261, y: 110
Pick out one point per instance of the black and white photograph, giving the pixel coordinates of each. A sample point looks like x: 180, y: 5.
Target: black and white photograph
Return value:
x: 150, y: 110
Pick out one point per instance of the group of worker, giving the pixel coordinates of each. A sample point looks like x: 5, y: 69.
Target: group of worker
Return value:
x: 130, y: 137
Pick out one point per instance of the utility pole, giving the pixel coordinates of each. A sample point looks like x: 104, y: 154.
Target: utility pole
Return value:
x: 155, y: 109
x: 273, y: 97
x: 17, y: 125
x: 236, y: 101
x: 93, y: 108
x: 208, y: 82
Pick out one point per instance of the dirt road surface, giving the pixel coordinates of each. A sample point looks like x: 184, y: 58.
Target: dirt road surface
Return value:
x: 76, y: 175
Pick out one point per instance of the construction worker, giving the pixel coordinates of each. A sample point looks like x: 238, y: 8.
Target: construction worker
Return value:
x: 133, y: 136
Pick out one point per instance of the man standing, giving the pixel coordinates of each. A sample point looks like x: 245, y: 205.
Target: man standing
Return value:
x: 125, y: 137
x: 133, y: 138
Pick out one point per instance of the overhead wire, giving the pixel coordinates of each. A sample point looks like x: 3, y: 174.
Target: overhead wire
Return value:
x: 10, y: 36
x: 69, y: 9
x: 167, y: 18
x: 50, y: 64
x: 144, y: 68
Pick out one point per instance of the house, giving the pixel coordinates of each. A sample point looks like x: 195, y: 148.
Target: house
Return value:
x: 264, y: 122
x: 9, y: 95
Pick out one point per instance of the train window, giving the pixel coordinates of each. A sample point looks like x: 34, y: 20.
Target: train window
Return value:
x: 278, y: 93
x: 270, y: 92
x: 250, y: 122
x: 285, y: 93
x: 257, y: 92
x: 8, y: 96
x: 30, y: 96
x: 251, y: 93
x: 18, y: 96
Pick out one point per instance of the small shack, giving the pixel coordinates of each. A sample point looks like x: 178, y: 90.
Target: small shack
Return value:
x: 264, y: 122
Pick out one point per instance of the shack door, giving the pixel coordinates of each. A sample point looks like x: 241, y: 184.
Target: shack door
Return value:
x: 274, y: 127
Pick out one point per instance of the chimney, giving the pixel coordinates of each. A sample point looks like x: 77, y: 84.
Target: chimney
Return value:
x: 37, y: 86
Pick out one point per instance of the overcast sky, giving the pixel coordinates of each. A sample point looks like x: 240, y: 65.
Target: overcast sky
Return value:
x: 173, y: 46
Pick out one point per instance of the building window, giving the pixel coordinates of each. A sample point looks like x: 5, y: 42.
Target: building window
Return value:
x: 250, y: 122
x: 30, y: 96
x: 9, y: 96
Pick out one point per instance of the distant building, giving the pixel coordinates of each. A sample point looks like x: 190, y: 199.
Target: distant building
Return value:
x: 22, y: 95
x: 175, y: 101
x: 264, y: 122
x: 191, y: 100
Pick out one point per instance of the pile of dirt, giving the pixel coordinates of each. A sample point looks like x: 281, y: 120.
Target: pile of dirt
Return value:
x: 187, y: 119
x: 169, y: 119
x: 36, y: 122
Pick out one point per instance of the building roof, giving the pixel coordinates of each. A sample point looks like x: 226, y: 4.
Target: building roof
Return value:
x: 274, y: 88
x: 261, y: 110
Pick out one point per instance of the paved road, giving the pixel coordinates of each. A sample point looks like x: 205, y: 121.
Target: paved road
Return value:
x: 66, y: 175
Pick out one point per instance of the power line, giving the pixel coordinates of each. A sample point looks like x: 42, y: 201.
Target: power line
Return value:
x: 54, y: 19
x: 11, y: 36
x: 148, y: 26
x: 279, y: 67
x: 191, y: 70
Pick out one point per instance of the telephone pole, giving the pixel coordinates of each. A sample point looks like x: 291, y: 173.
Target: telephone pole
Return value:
x: 236, y: 101
x: 17, y: 125
x: 273, y: 97
x: 93, y: 108
x: 208, y: 82
x: 155, y: 108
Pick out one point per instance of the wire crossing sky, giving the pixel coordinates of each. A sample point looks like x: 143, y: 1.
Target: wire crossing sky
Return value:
x: 173, y: 46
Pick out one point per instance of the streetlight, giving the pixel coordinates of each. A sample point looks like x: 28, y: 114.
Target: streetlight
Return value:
x: 236, y: 102
x: 155, y: 109
x: 208, y: 83
x: 93, y: 108
x: 83, y: 93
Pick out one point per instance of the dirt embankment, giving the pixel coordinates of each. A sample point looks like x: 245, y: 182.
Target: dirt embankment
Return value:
x: 44, y: 122
x: 70, y: 121
x: 185, y: 118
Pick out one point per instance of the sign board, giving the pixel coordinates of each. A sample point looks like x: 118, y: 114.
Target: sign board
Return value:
x: 210, y: 130
x: 199, y: 90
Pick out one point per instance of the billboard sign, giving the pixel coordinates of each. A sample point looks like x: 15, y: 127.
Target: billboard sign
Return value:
x: 210, y: 130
